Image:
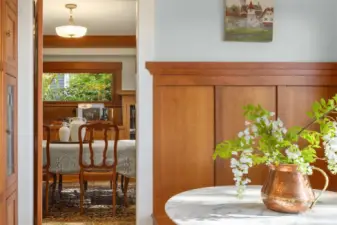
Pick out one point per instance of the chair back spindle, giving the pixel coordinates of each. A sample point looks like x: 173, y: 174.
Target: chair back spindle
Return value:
x: 91, y: 128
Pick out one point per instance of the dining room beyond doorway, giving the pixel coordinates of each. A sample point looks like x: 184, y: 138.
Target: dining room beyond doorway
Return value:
x: 89, y: 109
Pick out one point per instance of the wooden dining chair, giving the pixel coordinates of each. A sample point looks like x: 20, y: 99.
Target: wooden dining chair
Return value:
x: 46, y: 174
x: 98, y: 172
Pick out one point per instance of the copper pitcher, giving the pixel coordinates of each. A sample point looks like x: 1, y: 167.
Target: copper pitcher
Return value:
x: 287, y: 190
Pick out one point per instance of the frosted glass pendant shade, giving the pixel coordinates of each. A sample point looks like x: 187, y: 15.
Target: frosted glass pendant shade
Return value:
x: 71, y: 31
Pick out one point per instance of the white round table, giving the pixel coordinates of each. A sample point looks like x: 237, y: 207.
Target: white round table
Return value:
x: 219, y: 205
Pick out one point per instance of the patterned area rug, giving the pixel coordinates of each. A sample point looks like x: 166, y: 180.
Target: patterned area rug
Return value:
x: 65, y: 209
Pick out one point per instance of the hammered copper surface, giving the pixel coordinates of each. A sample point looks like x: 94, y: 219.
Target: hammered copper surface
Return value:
x: 287, y: 190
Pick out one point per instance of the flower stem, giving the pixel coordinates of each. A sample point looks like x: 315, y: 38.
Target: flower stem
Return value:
x: 313, y: 121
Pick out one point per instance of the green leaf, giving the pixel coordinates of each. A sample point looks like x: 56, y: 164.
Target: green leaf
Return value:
x: 311, y: 114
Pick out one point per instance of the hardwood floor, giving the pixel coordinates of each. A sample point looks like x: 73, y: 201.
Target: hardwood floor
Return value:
x: 92, y: 223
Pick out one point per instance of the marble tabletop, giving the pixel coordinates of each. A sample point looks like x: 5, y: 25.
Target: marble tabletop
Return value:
x: 219, y: 205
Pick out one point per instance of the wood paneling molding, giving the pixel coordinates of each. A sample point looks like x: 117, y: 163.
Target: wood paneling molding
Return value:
x: 222, y: 73
x: 50, y: 41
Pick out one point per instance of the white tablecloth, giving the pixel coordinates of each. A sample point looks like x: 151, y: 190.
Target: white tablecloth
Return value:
x: 219, y: 206
x: 64, y: 158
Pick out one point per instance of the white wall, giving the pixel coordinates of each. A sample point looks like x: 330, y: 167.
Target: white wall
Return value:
x: 145, y: 52
x: 128, y: 71
x: 25, y: 113
x: 193, y: 30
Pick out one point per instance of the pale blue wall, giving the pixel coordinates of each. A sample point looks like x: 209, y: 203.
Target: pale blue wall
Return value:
x: 192, y: 30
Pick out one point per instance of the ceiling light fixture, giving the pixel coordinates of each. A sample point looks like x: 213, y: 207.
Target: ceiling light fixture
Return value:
x: 71, y: 30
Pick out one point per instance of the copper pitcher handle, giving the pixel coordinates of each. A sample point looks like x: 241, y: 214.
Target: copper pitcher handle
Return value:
x: 325, y: 186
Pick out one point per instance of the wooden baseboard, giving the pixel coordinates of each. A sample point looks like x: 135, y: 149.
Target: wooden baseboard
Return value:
x: 162, y: 220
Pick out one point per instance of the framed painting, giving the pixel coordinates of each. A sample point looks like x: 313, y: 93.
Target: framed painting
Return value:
x: 90, y: 111
x: 249, y: 20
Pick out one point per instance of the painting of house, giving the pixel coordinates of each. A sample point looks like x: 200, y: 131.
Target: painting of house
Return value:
x: 249, y: 20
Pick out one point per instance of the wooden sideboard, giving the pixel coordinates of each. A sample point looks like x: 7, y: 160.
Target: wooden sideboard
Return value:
x: 198, y: 104
x: 128, y: 99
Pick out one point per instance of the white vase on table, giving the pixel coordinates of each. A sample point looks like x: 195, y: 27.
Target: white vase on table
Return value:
x: 64, y: 132
x: 75, y: 123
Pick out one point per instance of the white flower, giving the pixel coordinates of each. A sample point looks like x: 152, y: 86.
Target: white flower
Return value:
x: 247, y: 138
x: 274, y: 125
x: 240, y: 134
x: 280, y: 123
x: 237, y: 173
x: 333, y: 142
x: 305, y: 168
x: 258, y: 120
x: 244, y: 168
x: 248, y: 150
x: 247, y: 123
x: 284, y: 130
x: 246, y: 181
x: 234, y: 163
x: 293, y: 154
x: 326, y: 137
x: 272, y: 114
x: 246, y: 131
x: 245, y: 160
x: 254, y: 128
x: 234, y: 153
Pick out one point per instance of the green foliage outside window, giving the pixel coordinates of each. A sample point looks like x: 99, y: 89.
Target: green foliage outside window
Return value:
x: 82, y: 87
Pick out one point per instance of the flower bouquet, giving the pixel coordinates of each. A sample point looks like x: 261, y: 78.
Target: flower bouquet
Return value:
x: 265, y: 140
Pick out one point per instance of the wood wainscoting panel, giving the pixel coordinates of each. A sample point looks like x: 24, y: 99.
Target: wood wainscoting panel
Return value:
x: 183, y: 142
x: 230, y: 121
x: 12, y: 209
x: 293, y: 104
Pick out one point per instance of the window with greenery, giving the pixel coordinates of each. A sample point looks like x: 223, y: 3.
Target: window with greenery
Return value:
x: 77, y: 86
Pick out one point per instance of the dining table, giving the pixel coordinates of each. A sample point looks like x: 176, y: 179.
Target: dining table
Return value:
x: 220, y: 205
x: 64, y: 157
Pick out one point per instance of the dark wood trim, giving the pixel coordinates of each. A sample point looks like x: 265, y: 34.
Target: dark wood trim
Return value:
x: 90, y: 67
x: 126, y: 93
x: 222, y: 73
x: 38, y: 112
x: 75, y: 104
x: 50, y: 41
x: 82, y: 67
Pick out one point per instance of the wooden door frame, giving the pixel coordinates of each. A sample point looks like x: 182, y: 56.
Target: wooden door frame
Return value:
x: 114, y: 67
x: 38, y: 111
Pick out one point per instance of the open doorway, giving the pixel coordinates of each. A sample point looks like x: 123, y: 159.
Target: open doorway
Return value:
x: 105, y: 58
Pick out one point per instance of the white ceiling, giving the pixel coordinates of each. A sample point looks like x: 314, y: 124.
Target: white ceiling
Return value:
x: 101, y: 17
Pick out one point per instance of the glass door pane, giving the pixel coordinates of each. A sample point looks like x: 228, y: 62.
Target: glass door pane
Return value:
x: 132, y: 122
x: 10, y: 129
